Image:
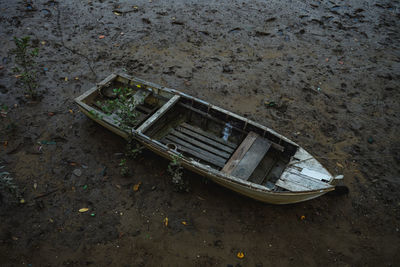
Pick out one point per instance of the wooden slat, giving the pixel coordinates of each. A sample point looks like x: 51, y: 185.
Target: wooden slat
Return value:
x: 251, y: 159
x: 196, y: 152
x: 205, y: 140
x: 297, y: 182
x: 262, y: 171
x: 291, y: 186
x: 211, y: 136
x: 158, y: 114
x: 274, y: 145
x: 200, y: 144
x: 240, y: 152
x: 143, y: 109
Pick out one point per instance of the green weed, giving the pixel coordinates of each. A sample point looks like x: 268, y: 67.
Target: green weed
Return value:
x: 25, y: 64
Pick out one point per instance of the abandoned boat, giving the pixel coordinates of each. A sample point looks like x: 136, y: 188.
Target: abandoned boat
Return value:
x: 231, y: 150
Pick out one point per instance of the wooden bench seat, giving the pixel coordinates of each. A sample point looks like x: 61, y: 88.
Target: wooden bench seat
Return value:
x: 296, y: 181
x: 247, y: 157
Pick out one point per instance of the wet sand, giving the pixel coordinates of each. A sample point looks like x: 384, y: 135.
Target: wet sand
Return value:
x: 332, y: 68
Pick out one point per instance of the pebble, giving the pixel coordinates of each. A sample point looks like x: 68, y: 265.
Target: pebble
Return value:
x: 77, y: 172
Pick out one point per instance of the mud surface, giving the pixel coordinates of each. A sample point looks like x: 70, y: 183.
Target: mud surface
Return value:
x: 331, y: 67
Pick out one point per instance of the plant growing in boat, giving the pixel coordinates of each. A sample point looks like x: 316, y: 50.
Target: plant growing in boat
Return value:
x: 25, y: 68
x: 95, y: 114
x: 123, y: 106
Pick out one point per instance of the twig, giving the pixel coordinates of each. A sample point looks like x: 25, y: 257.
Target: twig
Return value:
x: 46, y: 194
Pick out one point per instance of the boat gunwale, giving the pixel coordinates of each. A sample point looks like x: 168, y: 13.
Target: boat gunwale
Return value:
x: 157, y: 146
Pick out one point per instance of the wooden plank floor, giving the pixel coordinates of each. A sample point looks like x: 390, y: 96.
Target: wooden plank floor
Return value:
x: 199, y: 144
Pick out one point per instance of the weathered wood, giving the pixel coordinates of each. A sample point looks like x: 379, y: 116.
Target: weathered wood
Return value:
x: 205, y: 139
x: 143, y: 109
x: 263, y: 169
x: 211, y: 136
x: 167, y: 106
x: 200, y: 144
x: 297, y: 182
x: 251, y: 159
x: 195, y: 151
x: 274, y: 145
x: 140, y: 96
x: 240, y: 152
x: 288, y: 185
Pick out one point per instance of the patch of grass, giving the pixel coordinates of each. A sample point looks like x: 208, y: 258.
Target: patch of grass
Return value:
x: 7, y: 184
x: 176, y: 170
x: 124, y: 169
x: 25, y: 64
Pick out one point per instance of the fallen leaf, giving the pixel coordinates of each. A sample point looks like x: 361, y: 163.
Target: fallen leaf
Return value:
x: 166, y: 221
x: 70, y: 111
x: 101, y: 36
x: 18, y: 76
x: 35, y: 186
x: 66, y: 79
x: 341, y: 62
x: 5, y: 143
x: 43, y: 42
x: 339, y: 165
x: 117, y: 13
x: 22, y: 201
x: 51, y: 113
x: 83, y: 209
x: 302, y: 217
x: 240, y: 255
x: 184, y: 223
x: 136, y: 186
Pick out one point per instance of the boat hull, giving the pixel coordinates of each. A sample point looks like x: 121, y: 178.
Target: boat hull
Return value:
x: 301, y: 160
x: 254, y: 193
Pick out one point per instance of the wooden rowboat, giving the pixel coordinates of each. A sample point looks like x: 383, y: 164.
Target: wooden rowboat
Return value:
x: 233, y: 151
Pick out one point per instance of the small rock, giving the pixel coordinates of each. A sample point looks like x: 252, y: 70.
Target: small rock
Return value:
x: 227, y: 69
x: 77, y: 172
x: 184, y: 73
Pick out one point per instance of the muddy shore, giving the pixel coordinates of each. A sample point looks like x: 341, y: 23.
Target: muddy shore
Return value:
x: 332, y: 68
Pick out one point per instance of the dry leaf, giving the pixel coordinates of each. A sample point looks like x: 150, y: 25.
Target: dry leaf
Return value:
x: 166, y: 221
x: 101, y: 36
x: 136, y: 186
x: 240, y: 255
x: 184, y: 223
x: 83, y: 209
x: 339, y: 165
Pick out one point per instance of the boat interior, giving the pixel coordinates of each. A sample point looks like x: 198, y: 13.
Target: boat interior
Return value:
x: 206, y: 134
